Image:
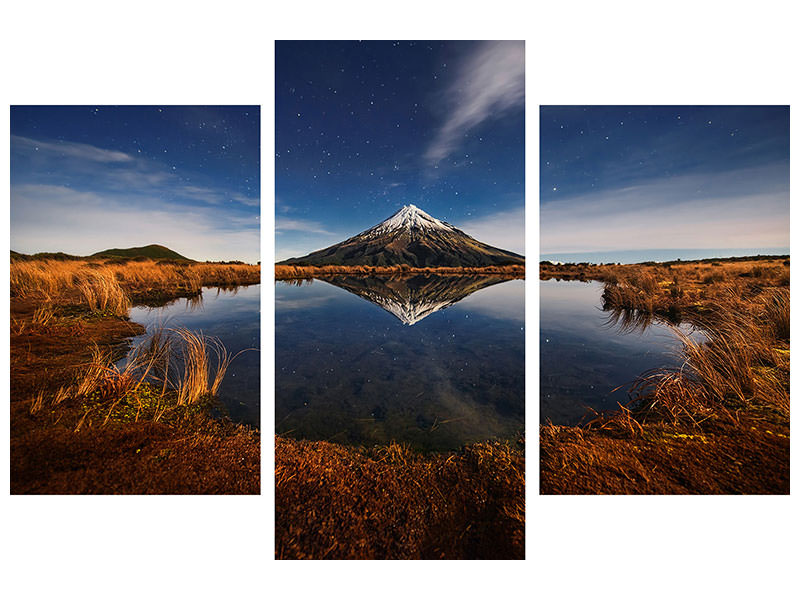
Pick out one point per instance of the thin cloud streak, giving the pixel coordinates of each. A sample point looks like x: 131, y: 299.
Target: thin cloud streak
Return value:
x: 747, y: 208
x: 490, y: 82
x: 47, y: 217
x: 146, y: 177
x: 74, y: 150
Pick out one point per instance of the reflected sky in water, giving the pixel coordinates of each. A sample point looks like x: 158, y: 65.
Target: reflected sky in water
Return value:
x: 349, y: 370
x: 586, y: 353
x: 233, y: 316
x: 506, y: 301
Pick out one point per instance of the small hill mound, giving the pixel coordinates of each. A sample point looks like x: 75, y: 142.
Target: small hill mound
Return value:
x: 154, y: 251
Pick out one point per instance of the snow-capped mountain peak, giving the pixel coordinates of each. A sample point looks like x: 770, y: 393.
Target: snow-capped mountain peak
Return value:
x: 409, y: 217
x: 414, y: 238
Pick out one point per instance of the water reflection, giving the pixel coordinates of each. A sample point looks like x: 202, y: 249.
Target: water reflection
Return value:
x: 626, y: 320
x: 233, y: 316
x: 352, y: 373
x: 590, y: 357
x: 411, y: 298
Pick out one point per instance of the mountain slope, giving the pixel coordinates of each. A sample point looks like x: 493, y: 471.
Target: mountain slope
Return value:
x: 411, y: 299
x: 154, y: 251
x: 410, y: 237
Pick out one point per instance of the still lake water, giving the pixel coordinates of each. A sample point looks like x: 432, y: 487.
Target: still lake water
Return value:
x: 233, y: 316
x: 435, y: 362
x: 585, y: 353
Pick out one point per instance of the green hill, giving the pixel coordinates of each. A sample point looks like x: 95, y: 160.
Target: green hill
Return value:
x: 153, y: 251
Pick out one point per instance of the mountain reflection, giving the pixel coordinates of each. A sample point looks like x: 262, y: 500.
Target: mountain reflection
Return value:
x: 412, y: 298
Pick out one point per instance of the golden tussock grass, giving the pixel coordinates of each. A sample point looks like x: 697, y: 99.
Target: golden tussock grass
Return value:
x: 742, y: 364
x: 730, y: 389
x: 205, y: 362
x: 102, y: 293
x: 81, y: 422
x: 172, y: 367
x: 110, y: 285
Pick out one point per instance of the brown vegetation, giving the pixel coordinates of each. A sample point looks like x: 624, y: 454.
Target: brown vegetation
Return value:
x: 104, y: 284
x: 304, y: 272
x: 731, y: 391
x: 724, y: 458
x: 340, y: 502
x: 79, y: 423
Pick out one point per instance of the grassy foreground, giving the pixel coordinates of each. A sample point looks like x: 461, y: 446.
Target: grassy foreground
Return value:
x: 81, y: 425
x: 338, y: 502
x: 717, y: 424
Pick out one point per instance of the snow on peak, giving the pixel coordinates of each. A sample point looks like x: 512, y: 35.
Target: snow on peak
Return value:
x: 409, y: 217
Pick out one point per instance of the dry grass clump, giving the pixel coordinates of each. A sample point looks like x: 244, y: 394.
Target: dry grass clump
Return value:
x: 37, y: 402
x: 742, y: 364
x: 102, y: 293
x: 200, y: 379
x: 175, y: 367
x: 43, y: 316
x: 624, y: 295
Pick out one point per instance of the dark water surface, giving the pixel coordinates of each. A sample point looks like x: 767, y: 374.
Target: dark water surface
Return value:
x: 435, y: 362
x: 233, y: 316
x: 585, y: 353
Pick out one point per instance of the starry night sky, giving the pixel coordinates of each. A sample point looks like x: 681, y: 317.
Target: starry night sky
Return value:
x: 363, y: 128
x: 624, y: 183
x: 87, y: 178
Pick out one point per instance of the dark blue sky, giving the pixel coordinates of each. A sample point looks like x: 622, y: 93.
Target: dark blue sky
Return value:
x: 363, y: 128
x: 642, y: 178
x: 85, y: 178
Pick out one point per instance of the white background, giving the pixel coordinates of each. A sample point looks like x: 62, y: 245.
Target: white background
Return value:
x: 149, y: 52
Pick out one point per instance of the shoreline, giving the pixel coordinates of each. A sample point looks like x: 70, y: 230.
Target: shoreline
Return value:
x: 64, y: 441
x: 718, y: 425
x: 349, y: 502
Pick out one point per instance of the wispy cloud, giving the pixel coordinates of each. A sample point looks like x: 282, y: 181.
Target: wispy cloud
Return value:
x: 47, y: 217
x: 490, y: 82
x: 745, y: 208
x: 504, y: 230
x: 77, y: 162
x: 74, y: 150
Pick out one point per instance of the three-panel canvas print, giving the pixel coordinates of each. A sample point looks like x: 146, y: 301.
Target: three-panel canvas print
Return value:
x: 399, y: 393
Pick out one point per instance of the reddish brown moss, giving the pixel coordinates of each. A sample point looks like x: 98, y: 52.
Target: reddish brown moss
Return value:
x: 339, y: 502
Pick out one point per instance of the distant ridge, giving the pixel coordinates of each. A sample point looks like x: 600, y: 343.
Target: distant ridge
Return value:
x: 154, y: 251
x: 414, y: 238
